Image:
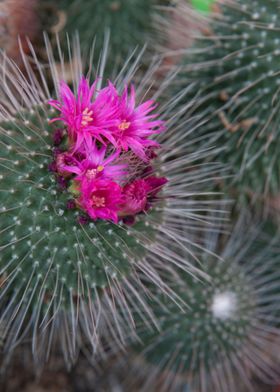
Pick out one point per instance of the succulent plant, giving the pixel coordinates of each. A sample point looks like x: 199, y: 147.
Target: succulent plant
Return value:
x: 66, y: 268
x: 235, y: 70
x: 129, y: 22
x: 226, y: 336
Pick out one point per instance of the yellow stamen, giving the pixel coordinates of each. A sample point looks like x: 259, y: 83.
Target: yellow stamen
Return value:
x: 98, y: 201
x: 124, y: 125
x: 100, y: 168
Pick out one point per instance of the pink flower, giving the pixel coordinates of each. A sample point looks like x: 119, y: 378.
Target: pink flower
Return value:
x: 87, y: 116
x: 94, y: 165
x: 101, y: 199
x: 135, y: 197
x: 135, y: 125
x: 139, y: 193
x: 63, y: 159
x: 155, y: 184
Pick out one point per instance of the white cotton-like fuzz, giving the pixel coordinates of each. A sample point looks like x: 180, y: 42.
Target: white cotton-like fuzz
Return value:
x: 224, y: 305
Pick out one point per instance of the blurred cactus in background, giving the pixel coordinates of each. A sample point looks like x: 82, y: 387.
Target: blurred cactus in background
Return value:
x: 235, y: 70
x: 226, y: 336
x: 129, y: 22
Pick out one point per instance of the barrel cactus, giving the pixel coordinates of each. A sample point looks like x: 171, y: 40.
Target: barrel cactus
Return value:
x: 225, y: 337
x: 235, y: 68
x: 128, y: 20
x: 99, y: 187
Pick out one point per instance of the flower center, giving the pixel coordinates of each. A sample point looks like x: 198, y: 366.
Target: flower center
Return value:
x: 124, y: 125
x: 91, y: 173
x: 86, y: 117
x: 98, y: 201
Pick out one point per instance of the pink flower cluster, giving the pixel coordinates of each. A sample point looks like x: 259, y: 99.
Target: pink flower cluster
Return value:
x: 103, y: 154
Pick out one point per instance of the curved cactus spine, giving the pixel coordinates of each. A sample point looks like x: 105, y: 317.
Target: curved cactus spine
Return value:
x: 62, y: 278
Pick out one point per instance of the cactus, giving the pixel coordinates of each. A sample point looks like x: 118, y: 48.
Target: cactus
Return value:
x: 129, y: 23
x: 226, y: 335
x: 63, y: 271
x: 236, y: 71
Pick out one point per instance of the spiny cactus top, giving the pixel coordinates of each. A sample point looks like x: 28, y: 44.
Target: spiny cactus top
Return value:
x: 226, y: 335
x: 236, y: 69
x: 99, y: 195
x: 107, y: 162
